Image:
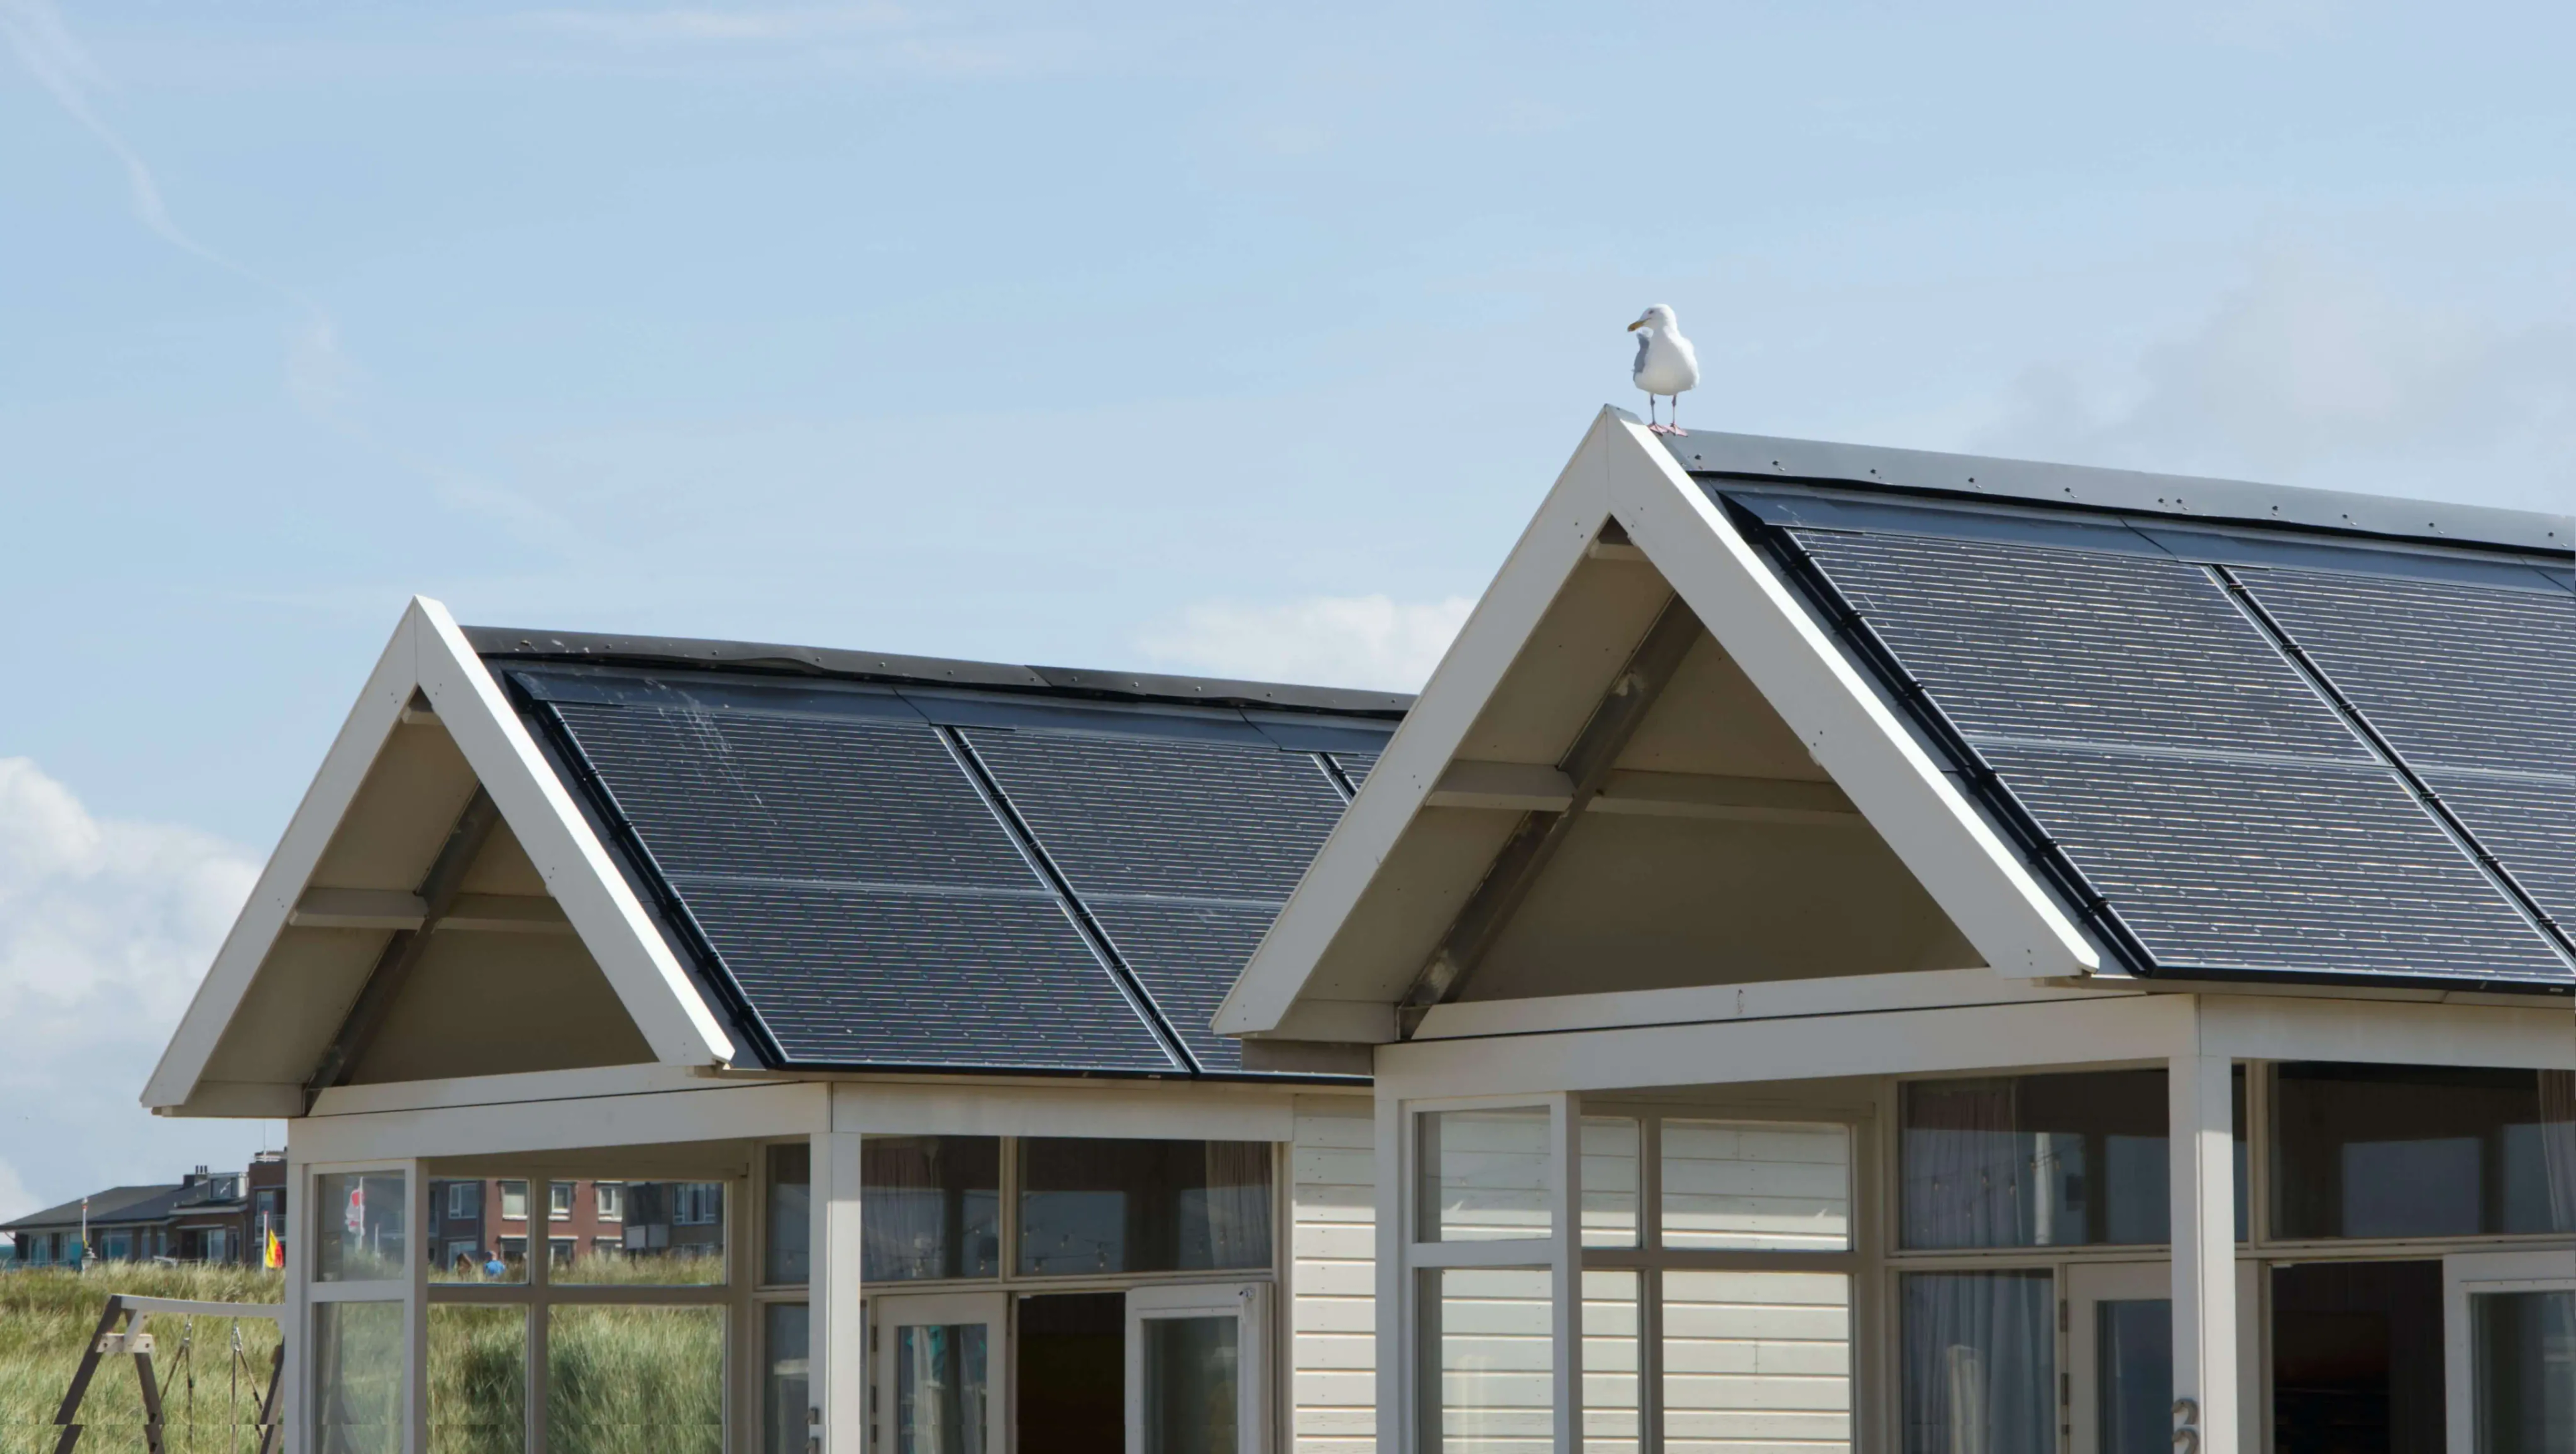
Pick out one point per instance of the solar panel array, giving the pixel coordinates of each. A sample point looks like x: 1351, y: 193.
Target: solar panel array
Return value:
x: 942, y: 881
x: 2367, y: 771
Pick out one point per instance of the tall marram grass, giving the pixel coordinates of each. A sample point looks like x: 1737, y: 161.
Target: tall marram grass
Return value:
x: 208, y: 1401
x: 620, y: 1378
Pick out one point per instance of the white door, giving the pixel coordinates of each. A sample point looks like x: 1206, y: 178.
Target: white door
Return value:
x: 2118, y: 1393
x: 2509, y: 1339
x: 1198, y: 1362
x: 935, y: 1384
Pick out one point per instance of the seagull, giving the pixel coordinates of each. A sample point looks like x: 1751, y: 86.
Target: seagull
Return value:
x: 1666, y: 364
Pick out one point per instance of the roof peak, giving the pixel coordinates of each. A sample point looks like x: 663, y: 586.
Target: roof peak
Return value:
x: 2093, y: 487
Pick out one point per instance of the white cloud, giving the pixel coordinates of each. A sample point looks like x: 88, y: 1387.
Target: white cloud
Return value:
x: 105, y: 929
x: 1356, y: 641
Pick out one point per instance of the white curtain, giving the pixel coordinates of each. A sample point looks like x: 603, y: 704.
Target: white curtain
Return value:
x: 1238, y: 1203
x: 2558, y: 1145
x: 1968, y: 1170
x: 1980, y: 1363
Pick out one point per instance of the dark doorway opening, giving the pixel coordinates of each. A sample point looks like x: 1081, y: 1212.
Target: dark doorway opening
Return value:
x: 2357, y: 1358
x: 1073, y: 1373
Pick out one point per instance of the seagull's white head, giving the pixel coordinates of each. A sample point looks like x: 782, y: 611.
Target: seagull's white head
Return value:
x: 1658, y: 319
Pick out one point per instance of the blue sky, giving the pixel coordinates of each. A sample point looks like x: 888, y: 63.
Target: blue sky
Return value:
x: 1219, y: 338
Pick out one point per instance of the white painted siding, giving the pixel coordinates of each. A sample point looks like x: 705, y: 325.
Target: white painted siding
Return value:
x: 1752, y: 1184
x: 1497, y: 1390
x: 1333, y: 1279
x: 1757, y: 1362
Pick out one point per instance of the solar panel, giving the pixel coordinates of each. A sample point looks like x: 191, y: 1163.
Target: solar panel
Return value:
x: 868, y: 905
x: 2180, y: 762
x: 1182, y: 851
x: 2473, y: 686
x: 1356, y: 766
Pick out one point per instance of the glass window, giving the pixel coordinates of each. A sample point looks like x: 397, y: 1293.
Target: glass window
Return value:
x: 929, y: 1207
x: 2042, y: 1161
x: 785, y: 1398
x: 1488, y: 1356
x: 672, y: 1235
x: 625, y: 1378
x: 1611, y: 1334
x: 1486, y: 1175
x: 464, y: 1200
x: 1979, y: 1363
x: 1189, y: 1388
x: 612, y: 1200
x: 559, y: 1200
x: 785, y: 1257
x: 2422, y: 1151
x: 514, y: 1199
x: 1757, y: 1359
x: 2524, y: 1346
x: 1609, y: 1181
x: 1761, y: 1185
x: 357, y: 1377
x: 361, y: 1217
x: 478, y: 1379
x: 942, y: 1389
x: 1091, y: 1206
x: 559, y: 1253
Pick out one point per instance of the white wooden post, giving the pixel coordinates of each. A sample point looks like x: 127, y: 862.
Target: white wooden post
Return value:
x: 2200, y: 1108
x: 836, y: 1324
x: 1398, y: 1430
x: 1566, y: 1283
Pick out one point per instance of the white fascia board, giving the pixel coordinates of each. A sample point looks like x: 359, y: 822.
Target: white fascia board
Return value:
x: 1411, y: 764
x: 344, y: 769
x: 1975, y: 878
x: 673, y: 1017
x: 715, y: 1111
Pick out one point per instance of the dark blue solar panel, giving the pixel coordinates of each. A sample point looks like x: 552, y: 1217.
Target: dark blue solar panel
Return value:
x: 868, y: 905
x: 1356, y: 766
x: 2180, y: 762
x: 2474, y: 686
x: 1183, y: 851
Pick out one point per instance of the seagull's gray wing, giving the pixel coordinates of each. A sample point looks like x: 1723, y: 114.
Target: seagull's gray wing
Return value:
x: 1639, y: 367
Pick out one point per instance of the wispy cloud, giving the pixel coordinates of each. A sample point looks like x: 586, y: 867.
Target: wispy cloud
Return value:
x: 1357, y: 641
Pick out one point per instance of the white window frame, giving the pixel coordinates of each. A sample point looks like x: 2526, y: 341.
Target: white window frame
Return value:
x: 1248, y: 1303
x: 890, y: 1311
x: 610, y: 1200
x: 559, y: 1199
x: 467, y: 1195
x: 307, y: 1292
x: 2466, y: 1275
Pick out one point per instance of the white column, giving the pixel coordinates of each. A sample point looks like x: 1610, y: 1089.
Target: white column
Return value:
x: 1566, y: 1215
x: 1398, y: 1389
x: 2204, y: 1245
x: 835, y: 1323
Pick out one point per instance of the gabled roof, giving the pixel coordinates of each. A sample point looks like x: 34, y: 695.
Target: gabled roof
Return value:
x: 117, y: 1204
x: 765, y: 857
x: 2112, y: 723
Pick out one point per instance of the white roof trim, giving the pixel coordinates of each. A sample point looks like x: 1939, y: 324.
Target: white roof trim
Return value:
x: 430, y: 655
x: 1621, y: 470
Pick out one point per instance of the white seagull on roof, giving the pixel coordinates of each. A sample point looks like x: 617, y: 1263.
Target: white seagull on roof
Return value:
x: 1666, y: 364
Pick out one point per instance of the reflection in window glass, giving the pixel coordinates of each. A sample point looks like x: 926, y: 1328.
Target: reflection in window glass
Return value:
x: 1609, y: 1181
x: 785, y: 1258
x: 559, y: 1200
x: 2042, y: 1161
x: 2422, y: 1151
x: 619, y: 1379
x: 930, y: 1207
x: 1765, y: 1185
x: 1756, y: 1358
x: 478, y: 1379
x: 1190, y: 1394
x: 942, y: 1389
x: 672, y: 1235
x: 1143, y: 1206
x: 1979, y: 1363
x: 1486, y: 1175
x: 1611, y: 1331
x: 514, y: 1199
x: 1488, y: 1358
x: 357, y: 1377
x: 2524, y: 1347
x: 785, y: 1394
x: 361, y: 1221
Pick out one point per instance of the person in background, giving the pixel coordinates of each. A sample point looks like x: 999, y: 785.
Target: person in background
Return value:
x: 496, y: 1269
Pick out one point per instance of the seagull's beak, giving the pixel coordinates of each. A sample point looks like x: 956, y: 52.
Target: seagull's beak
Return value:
x: 1633, y: 327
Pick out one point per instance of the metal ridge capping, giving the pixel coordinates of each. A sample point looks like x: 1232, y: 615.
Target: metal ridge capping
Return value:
x: 2089, y: 487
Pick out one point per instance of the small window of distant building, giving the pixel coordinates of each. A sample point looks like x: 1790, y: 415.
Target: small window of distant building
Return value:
x: 697, y: 1203
x: 612, y: 1201
x: 463, y: 1199
x: 559, y: 1200
x: 514, y: 1200
x: 606, y: 1247
x: 559, y: 1252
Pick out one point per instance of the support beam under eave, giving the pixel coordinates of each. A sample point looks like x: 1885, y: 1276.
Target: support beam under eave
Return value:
x: 836, y: 1324
x: 2201, y: 1109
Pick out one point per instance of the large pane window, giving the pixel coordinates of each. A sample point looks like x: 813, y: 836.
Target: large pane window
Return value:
x: 362, y: 1223
x: 785, y: 1389
x: 1978, y: 1363
x: 1610, y: 1157
x: 2524, y: 1350
x: 1486, y: 1175
x: 930, y: 1207
x: 2422, y: 1151
x: 671, y: 1234
x: 786, y: 1256
x: 620, y: 1379
x: 358, y: 1377
x: 2042, y: 1161
x: 1756, y: 1185
x: 1094, y: 1206
x: 1756, y: 1360
x: 1488, y: 1361
x: 478, y: 1379
x: 1612, y: 1334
